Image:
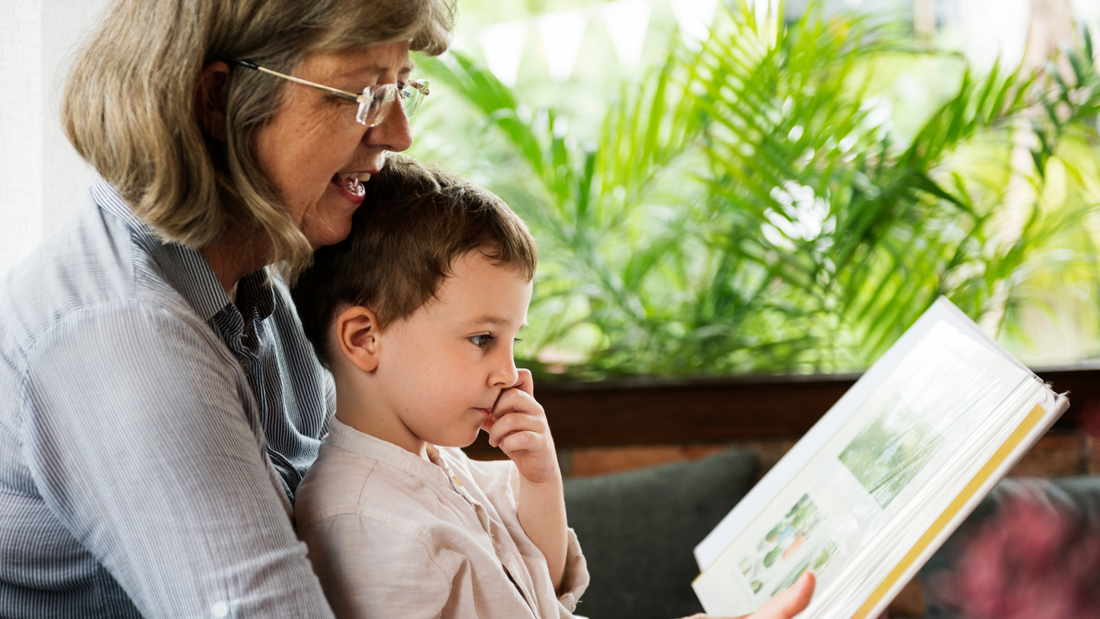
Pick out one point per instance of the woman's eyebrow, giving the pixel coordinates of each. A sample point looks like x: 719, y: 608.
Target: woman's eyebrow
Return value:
x: 377, y: 71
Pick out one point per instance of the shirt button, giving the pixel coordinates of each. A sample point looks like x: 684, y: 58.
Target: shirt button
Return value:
x: 220, y: 610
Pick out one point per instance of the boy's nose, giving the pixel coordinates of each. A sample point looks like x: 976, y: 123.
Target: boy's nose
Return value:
x: 505, y: 375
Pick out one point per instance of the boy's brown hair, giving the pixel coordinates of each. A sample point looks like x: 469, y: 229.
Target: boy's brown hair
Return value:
x: 413, y: 223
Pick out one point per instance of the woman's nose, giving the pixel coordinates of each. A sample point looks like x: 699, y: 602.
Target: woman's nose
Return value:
x: 393, y: 132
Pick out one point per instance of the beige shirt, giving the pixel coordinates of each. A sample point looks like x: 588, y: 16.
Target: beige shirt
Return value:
x: 392, y: 535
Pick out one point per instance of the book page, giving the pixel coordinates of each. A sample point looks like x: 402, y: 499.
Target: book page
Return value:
x: 937, y: 405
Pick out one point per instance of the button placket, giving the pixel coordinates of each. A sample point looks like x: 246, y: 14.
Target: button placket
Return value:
x: 513, y: 563
x: 507, y: 556
x: 479, y: 510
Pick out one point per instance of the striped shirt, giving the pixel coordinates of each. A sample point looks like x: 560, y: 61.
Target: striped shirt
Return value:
x: 151, y: 435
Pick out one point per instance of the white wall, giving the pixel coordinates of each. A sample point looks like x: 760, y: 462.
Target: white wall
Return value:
x: 21, y: 104
x: 42, y: 180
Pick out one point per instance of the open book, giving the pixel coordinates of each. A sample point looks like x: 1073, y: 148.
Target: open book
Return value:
x: 881, y: 481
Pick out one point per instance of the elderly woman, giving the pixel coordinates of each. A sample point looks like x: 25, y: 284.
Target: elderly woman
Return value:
x: 158, y: 401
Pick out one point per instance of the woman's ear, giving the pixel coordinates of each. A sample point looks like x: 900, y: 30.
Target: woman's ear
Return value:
x: 357, y: 337
x: 210, y: 98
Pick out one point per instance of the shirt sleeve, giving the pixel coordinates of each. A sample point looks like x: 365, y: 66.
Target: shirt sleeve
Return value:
x: 575, y: 579
x: 373, y: 569
x: 137, y: 436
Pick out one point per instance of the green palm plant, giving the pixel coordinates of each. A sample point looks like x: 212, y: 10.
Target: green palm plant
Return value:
x: 592, y: 205
x: 1059, y: 241
x: 893, y: 228
x: 745, y: 208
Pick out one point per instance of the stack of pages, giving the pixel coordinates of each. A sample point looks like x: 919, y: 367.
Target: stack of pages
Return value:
x: 881, y: 481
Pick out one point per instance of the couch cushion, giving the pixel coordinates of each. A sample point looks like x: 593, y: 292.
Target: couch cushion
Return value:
x: 638, y: 530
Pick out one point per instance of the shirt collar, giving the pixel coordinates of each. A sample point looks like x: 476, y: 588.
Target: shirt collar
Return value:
x: 345, y: 437
x: 255, y: 291
x: 185, y: 267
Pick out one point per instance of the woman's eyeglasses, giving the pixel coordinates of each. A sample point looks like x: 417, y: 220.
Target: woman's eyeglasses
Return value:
x: 374, y: 102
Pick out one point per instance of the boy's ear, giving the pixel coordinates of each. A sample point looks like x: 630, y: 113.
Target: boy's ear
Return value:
x: 357, y: 337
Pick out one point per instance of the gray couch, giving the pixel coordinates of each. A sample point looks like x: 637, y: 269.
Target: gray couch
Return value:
x: 638, y: 530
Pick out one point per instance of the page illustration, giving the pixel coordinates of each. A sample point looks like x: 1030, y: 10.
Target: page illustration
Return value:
x: 773, y: 553
x: 887, y: 454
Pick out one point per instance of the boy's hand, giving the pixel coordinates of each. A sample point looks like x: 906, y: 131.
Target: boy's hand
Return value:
x: 518, y: 426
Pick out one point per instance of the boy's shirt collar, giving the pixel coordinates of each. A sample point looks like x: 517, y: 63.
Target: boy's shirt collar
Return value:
x: 346, y: 437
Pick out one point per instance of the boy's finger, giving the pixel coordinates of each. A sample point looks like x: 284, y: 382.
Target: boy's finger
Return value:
x: 514, y: 400
x: 526, y: 382
x: 487, y: 425
x: 510, y: 424
x: 522, y: 440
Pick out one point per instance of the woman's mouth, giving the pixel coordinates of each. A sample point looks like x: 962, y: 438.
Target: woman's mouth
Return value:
x: 351, y: 184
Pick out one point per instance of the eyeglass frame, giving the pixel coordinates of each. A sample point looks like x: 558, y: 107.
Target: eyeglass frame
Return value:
x: 364, y: 100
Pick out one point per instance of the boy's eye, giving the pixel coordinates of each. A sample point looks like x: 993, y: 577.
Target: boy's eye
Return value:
x: 481, y: 341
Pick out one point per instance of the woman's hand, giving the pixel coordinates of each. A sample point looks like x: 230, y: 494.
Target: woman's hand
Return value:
x: 786, y: 604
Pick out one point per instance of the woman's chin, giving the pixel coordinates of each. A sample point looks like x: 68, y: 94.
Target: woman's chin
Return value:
x: 331, y: 233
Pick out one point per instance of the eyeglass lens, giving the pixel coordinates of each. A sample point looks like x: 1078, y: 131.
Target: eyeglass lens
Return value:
x: 377, y: 103
x: 380, y: 100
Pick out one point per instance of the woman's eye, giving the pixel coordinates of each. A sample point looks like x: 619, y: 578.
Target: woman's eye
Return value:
x: 481, y: 341
x: 341, y: 103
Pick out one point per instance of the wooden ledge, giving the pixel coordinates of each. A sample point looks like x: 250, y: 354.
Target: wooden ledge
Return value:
x: 721, y: 410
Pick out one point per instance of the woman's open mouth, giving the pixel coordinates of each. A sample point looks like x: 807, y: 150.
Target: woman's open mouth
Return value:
x: 351, y: 185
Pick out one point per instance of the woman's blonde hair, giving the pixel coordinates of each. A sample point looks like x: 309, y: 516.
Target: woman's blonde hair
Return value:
x: 129, y: 104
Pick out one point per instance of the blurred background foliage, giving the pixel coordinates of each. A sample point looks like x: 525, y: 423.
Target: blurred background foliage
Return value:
x: 788, y: 195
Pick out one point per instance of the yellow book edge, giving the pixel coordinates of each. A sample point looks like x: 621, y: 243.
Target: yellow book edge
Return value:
x: 964, y: 497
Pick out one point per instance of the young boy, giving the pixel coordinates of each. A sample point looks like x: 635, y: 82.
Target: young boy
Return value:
x: 415, y: 314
